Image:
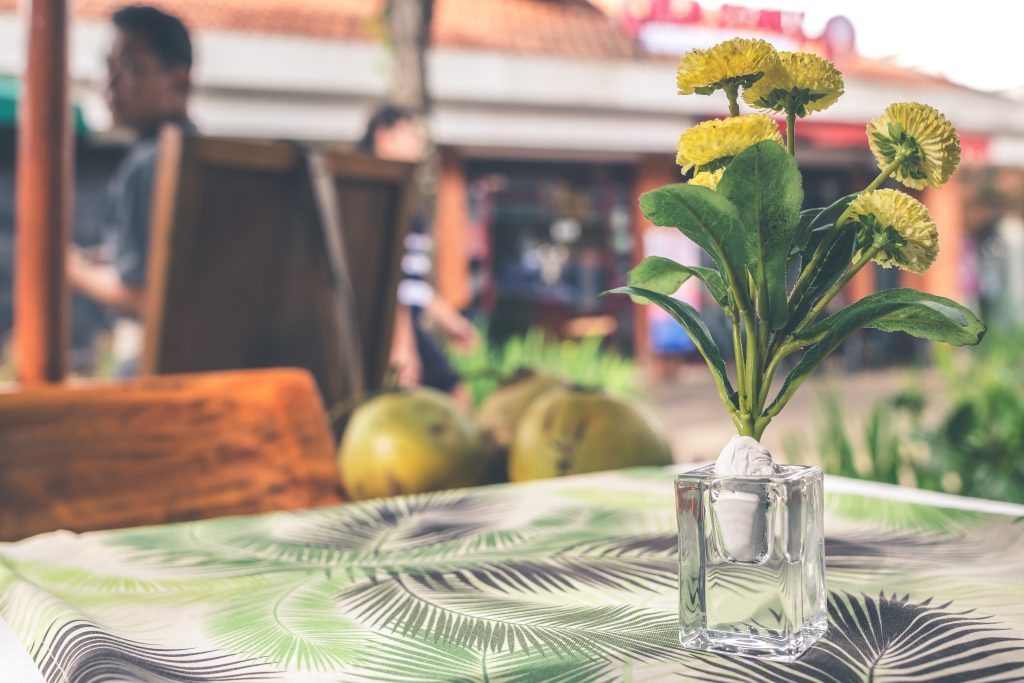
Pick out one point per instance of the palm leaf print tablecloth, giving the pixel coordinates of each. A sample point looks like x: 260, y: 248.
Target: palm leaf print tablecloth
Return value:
x: 563, y: 580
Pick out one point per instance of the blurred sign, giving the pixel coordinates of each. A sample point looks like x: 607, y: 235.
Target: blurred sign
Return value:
x: 676, y: 26
x: 974, y: 150
x: 637, y: 13
x: 788, y: 24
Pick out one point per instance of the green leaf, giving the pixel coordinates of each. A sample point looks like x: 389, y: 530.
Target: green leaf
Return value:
x: 902, y: 516
x: 707, y: 218
x: 294, y: 623
x: 935, y: 318
x: 665, y: 276
x: 890, y: 310
x: 813, y: 218
x: 688, y: 316
x: 507, y: 619
x: 828, y: 272
x: 764, y: 184
x: 803, y: 230
x: 814, y: 241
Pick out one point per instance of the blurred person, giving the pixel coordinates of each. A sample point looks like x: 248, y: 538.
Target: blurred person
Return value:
x: 148, y: 85
x: 396, y: 134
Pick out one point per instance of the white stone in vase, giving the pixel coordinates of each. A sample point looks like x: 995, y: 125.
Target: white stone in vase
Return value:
x: 741, y: 514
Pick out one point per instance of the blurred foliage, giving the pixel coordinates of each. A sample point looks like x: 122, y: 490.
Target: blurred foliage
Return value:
x: 973, y: 445
x: 886, y: 440
x: 585, y: 362
x: 981, y: 437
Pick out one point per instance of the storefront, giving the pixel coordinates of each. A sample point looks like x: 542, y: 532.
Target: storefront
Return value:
x: 550, y: 129
x: 548, y: 238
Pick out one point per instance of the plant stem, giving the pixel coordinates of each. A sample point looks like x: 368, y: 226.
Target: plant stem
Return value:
x: 822, y: 250
x: 881, y: 178
x: 769, y: 375
x: 759, y: 426
x: 754, y: 324
x: 753, y: 373
x: 790, y: 134
x: 744, y: 350
x: 743, y: 417
x: 737, y: 352
x: 763, y: 334
x: 733, y: 92
x: 760, y: 388
x: 783, y: 399
x: 838, y: 286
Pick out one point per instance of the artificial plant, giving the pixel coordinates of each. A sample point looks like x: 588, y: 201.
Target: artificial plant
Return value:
x: 742, y: 205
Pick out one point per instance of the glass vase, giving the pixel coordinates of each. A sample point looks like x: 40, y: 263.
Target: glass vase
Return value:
x: 751, y: 562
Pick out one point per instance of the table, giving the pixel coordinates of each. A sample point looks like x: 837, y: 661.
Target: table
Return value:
x: 561, y: 580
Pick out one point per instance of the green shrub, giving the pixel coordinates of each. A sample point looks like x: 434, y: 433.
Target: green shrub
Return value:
x: 981, y: 438
x: 974, y: 448
x: 884, y: 446
x: 585, y: 362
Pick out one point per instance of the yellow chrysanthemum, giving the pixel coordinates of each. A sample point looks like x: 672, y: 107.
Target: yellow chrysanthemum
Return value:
x: 733, y: 63
x: 710, y: 145
x: 912, y: 239
x: 922, y: 137
x: 800, y: 83
x: 708, y: 179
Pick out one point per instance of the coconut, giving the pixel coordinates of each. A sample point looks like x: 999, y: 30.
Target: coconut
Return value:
x: 410, y: 442
x: 571, y: 431
x: 502, y: 410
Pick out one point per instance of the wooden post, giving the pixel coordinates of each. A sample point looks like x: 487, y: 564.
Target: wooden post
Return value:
x: 44, y: 200
x: 451, y: 231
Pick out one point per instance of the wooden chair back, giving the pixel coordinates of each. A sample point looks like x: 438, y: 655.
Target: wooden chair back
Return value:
x: 162, y: 449
x: 265, y: 254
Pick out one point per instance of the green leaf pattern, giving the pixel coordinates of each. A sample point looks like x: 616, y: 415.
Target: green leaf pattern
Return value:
x: 561, y: 580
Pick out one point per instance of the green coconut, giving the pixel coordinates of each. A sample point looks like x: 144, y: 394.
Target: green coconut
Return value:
x: 572, y: 431
x: 410, y: 442
x: 502, y: 410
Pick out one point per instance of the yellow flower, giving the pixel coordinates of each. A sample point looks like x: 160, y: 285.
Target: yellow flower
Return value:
x: 922, y: 137
x: 710, y: 146
x: 708, y: 179
x: 911, y: 240
x: 801, y: 83
x: 733, y: 63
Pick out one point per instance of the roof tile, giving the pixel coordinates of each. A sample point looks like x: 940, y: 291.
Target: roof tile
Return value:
x: 573, y: 29
x: 567, y: 28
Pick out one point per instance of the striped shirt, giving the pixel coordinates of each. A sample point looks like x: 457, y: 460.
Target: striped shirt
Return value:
x: 415, y: 290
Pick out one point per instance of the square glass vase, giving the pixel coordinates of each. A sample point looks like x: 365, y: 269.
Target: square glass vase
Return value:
x: 751, y: 562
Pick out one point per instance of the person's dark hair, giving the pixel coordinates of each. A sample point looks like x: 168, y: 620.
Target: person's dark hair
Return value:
x: 386, y: 116
x: 164, y: 33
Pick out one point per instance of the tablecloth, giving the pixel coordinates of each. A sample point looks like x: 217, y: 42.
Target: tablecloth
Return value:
x: 572, y: 579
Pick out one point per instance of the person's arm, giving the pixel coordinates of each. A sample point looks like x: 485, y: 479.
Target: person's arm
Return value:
x: 405, y: 356
x: 102, y: 282
x: 451, y: 323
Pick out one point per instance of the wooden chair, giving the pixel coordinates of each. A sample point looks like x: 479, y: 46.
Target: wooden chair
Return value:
x: 267, y: 254
x: 162, y: 449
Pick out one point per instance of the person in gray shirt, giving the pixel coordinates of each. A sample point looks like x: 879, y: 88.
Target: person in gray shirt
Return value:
x: 149, y: 80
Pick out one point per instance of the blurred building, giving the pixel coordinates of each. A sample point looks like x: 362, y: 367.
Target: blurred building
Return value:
x: 551, y: 116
